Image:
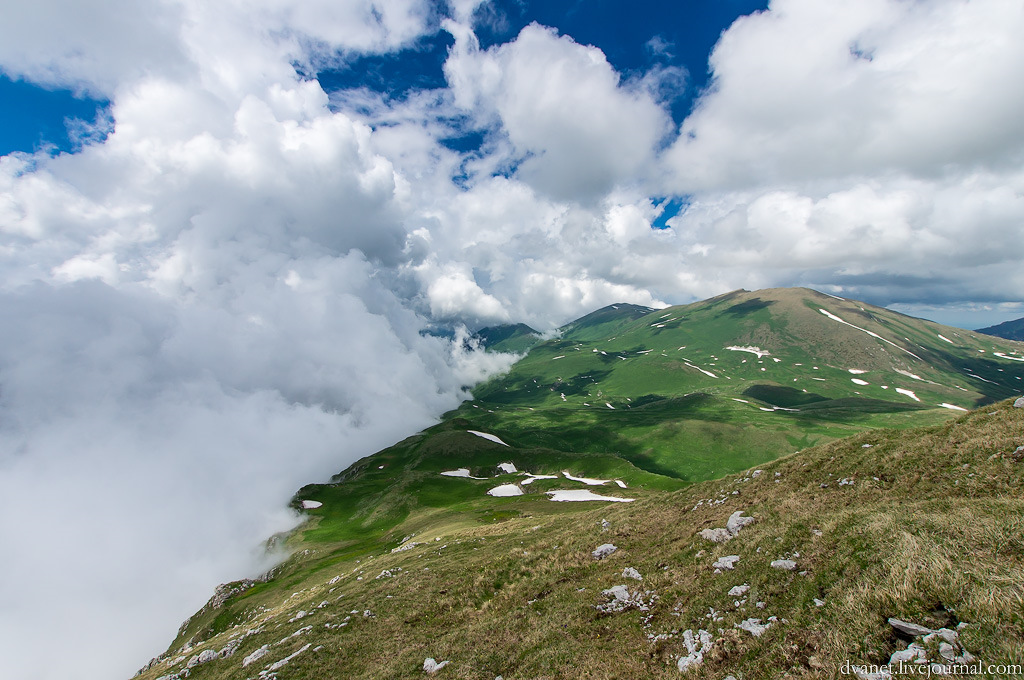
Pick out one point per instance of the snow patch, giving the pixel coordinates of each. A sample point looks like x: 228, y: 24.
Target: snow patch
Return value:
x: 461, y: 472
x: 309, y: 505
x: 864, y: 330
x: 858, y: 381
x: 943, y: 337
x: 1006, y: 356
x: 856, y: 371
x: 908, y: 393
x: 507, y: 468
x: 584, y: 495
x: 505, y: 490
x: 586, y: 480
x: 489, y: 437
x: 952, y: 407
x: 531, y: 477
x: 752, y: 349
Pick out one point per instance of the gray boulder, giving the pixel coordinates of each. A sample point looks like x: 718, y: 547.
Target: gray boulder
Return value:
x: 1019, y: 403
x: 603, y: 551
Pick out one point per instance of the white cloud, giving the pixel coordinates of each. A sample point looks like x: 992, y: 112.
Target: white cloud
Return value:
x: 576, y: 128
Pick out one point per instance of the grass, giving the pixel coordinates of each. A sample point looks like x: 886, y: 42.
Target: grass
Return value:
x: 655, y: 399
x: 930, y: 532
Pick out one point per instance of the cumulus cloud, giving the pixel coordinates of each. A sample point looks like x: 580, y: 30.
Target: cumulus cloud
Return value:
x: 576, y: 130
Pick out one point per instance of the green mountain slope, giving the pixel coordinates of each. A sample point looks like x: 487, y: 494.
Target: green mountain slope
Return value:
x: 922, y: 525
x: 1010, y: 330
x: 512, y: 338
x: 654, y: 409
x: 700, y: 390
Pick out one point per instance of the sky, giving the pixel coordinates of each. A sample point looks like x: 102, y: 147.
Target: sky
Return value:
x: 227, y: 228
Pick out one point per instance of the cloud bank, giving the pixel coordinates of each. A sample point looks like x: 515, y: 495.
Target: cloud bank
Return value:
x: 227, y: 297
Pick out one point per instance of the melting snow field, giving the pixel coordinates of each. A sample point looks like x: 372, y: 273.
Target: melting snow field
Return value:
x: 753, y: 350
x: 858, y: 381
x: 505, y: 490
x: 489, y: 437
x: 952, y: 406
x: 507, y: 468
x: 856, y: 371
x: 309, y: 505
x: 586, y: 480
x: 864, y: 330
x: 530, y: 478
x: 622, y: 484
x: 1007, y: 356
x: 909, y: 393
x: 461, y: 472
x: 943, y: 337
x: 584, y: 495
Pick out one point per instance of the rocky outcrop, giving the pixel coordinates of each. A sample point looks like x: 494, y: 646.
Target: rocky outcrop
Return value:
x: 603, y: 551
x: 735, y: 522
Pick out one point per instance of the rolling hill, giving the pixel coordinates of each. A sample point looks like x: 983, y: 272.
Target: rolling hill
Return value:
x: 1009, y: 330
x: 802, y: 410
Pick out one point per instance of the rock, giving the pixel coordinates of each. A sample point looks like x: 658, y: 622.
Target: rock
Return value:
x: 204, y: 656
x: 630, y: 572
x: 753, y: 626
x: 432, y: 666
x: 787, y: 565
x: 911, y: 653
x: 603, y: 551
x: 1019, y: 403
x: 716, y: 535
x: 737, y: 591
x: 946, y: 651
x: 907, y: 628
x: 737, y: 521
x: 256, y: 656
x: 696, y: 648
x: 284, y: 662
x: 819, y: 603
x: 727, y: 562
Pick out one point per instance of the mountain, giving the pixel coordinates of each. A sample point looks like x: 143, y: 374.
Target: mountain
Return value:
x: 512, y: 338
x: 1011, y: 330
x: 448, y: 545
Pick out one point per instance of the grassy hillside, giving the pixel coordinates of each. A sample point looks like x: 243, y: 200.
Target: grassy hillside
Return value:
x: 700, y: 390
x: 923, y: 525
x: 453, y: 543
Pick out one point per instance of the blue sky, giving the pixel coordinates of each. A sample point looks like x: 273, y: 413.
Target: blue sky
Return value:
x: 216, y: 284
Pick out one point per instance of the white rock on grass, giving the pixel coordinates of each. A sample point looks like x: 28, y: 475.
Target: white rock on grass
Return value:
x: 696, y: 646
x: 204, y: 656
x: 753, y: 626
x: 727, y: 562
x: 630, y: 572
x: 1019, y: 403
x: 256, y: 656
x: 431, y: 665
x: 786, y: 565
x: 909, y: 628
x: 603, y: 551
x: 735, y: 522
x: 738, y: 591
x: 284, y: 662
x: 718, y: 535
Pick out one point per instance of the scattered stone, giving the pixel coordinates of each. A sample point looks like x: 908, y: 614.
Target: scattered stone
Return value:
x: 696, y: 647
x: 256, y: 656
x: 753, y: 626
x: 620, y: 598
x: 204, y: 656
x: 603, y: 551
x: 819, y: 603
x: 716, y: 535
x: 737, y: 521
x: 605, y: 525
x: 630, y: 572
x: 431, y: 665
x: 737, y: 591
x: 229, y: 648
x: 727, y: 562
x: 907, y: 628
x: 911, y: 654
x: 787, y: 565
x: 284, y: 662
x: 302, y: 613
